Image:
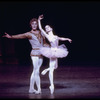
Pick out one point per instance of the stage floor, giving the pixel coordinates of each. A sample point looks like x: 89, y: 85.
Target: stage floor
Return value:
x: 70, y: 82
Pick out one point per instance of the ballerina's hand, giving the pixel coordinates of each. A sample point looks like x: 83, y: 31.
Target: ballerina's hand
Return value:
x: 70, y: 40
x: 41, y: 17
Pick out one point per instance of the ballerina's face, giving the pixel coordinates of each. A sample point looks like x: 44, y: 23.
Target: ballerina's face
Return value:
x: 48, y: 28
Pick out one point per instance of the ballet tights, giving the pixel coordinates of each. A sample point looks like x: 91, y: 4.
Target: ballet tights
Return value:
x: 52, y: 65
x: 35, y: 78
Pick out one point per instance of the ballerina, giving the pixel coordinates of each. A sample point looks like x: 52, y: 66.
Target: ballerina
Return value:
x: 53, y: 52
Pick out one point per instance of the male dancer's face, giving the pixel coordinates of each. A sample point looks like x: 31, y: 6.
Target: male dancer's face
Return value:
x: 34, y: 25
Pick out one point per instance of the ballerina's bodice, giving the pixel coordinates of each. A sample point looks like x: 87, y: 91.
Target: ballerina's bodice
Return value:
x: 56, y: 50
x: 54, y: 41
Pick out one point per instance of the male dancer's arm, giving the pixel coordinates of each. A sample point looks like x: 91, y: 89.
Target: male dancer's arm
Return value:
x: 18, y: 36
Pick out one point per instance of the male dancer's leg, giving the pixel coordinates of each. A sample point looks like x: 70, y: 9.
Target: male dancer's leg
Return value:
x: 38, y: 81
x: 37, y: 62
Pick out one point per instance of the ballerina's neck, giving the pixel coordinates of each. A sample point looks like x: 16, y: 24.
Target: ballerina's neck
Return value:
x: 50, y: 33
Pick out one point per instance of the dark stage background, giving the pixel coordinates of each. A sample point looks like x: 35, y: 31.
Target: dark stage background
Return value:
x: 79, y: 21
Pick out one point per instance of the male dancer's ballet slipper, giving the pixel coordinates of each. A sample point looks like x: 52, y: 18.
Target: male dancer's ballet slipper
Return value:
x: 32, y: 91
x: 37, y: 92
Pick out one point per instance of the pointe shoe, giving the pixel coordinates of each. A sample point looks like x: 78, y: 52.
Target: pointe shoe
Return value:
x: 51, y: 89
x: 44, y: 72
x: 32, y: 90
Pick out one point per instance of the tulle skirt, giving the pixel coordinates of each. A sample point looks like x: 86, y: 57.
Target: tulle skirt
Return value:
x: 51, y: 52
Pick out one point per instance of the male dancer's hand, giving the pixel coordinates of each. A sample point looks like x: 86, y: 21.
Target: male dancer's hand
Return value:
x: 6, y: 35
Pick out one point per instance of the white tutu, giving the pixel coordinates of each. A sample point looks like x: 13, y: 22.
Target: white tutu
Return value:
x: 50, y: 52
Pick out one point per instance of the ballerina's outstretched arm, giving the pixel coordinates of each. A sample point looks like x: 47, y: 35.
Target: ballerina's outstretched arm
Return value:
x: 64, y: 39
x: 40, y: 26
